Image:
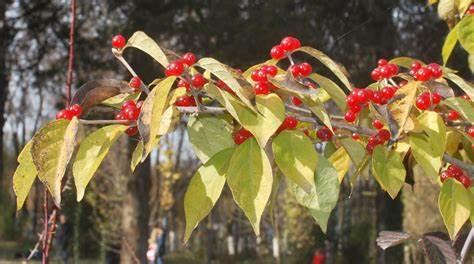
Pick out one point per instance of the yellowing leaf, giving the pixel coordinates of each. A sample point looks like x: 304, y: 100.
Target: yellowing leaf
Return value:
x: 91, y: 153
x: 400, y: 109
x: 296, y: 157
x: 119, y: 99
x: 324, y: 194
x: 169, y: 119
x: 204, y: 189
x: 328, y: 62
x: 449, y: 44
x: 388, y: 170
x: 455, y: 205
x: 341, y: 161
x: 25, y: 175
x: 151, y: 113
x: 245, y: 92
x: 466, y: 33
x: 434, y: 126
x: 425, y: 156
x: 209, y: 135
x: 51, y: 149
x: 462, y: 106
x: 143, y: 42
x: 250, y: 179
x: 137, y: 155
x: 318, y: 109
x: 465, y: 86
x: 336, y: 93
x: 453, y: 139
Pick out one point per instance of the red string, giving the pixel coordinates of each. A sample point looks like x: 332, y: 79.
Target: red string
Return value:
x: 71, y: 52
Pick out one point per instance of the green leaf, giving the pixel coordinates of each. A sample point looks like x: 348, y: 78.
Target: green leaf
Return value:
x: 455, y: 205
x: 204, y: 189
x: 425, y: 156
x: 250, y: 179
x: 403, y: 61
x: 388, y: 170
x: 91, y: 153
x: 328, y: 62
x: 25, y: 175
x: 355, y: 150
x: 271, y: 113
x: 137, y: 155
x: 317, y: 107
x: 151, y: 113
x: 449, y: 44
x: 432, y: 123
x: 465, y: 86
x: 400, y: 109
x: 118, y: 100
x: 324, y: 194
x: 245, y: 93
x: 296, y: 157
x: 462, y: 106
x: 143, y: 42
x: 51, y: 149
x: 466, y: 33
x: 209, y: 135
x: 341, y: 161
x: 336, y: 93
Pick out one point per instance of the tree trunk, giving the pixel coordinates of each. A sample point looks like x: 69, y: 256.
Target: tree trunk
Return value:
x: 135, y: 215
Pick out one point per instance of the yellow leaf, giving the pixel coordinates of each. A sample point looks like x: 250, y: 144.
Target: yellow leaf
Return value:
x: 341, y: 162
x: 401, y: 108
x: 143, y: 42
x: 25, y: 175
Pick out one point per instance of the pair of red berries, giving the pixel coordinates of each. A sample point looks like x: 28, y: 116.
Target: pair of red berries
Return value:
x: 457, y: 173
x: 324, y: 134
x: 382, y: 136
x: 289, y: 123
x: 70, y: 112
x: 426, y: 99
x: 185, y: 100
x: 287, y: 44
x: 426, y: 73
x: 176, y: 67
x: 263, y: 86
x: 384, y: 70
x: 197, y: 82
x: 130, y: 111
x: 301, y: 69
x: 241, y: 135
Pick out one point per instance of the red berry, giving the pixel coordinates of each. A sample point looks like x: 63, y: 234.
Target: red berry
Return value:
x: 470, y: 131
x: 355, y: 136
x: 259, y: 76
x: 388, y: 92
x: 383, y: 134
x: 305, y: 69
x: 119, y: 116
x: 416, y: 65
x: 277, y: 52
x: 350, y: 116
x: 454, y: 171
x: 352, y: 100
x: 127, y: 104
x: 423, y: 102
x: 362, y: 95
x: 135, y: 83
x: 185, y: 84
x: 444, y: 176
x: 270, y: 70
x: 385, y: 71
x: 64, y: 114
x: 453, y: 115
x: 377, y: 124
x: 198, y: 80
x: 296, y: 101
x: 189, y: 58
x: 131, y: 113
x: 377, y: 98
x: 465, y: 180
x: 175, y: 68
x: 470, y: 10
x: 241, y: 135
x: 423, y: 74
x: 355, y: 108
x: 370, y: 148
x: 185, y: 100
x: 393, y: 68
x: 324, y: 134
x: 261, y: 88
x: 295, y: 70
x: 436, y: 98
x: 375, y: 74
x: 382, y: 62
x: 76, y: 110
x: 118, y: 41
x: 436, y: 70
x: 290, y: 43
x: 131, y: 131
x: 289, y: 123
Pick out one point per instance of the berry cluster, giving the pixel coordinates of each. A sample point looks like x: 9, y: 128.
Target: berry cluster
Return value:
x: 426, y: 99
x: 457, y: 173
x: 324, y: 133
x: 425, y: 73
x: 287, y: 44
x: 260, y: 76
x: 384, y: 70
x: 382, y: 136
x: 130, y: 111
x: 360, y: 98
x: 241, y: 135
x: 301, y: 69
x: 176, y: 67
x: 70, y: 112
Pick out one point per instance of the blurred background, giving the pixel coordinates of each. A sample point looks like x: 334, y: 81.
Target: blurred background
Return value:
x: 121, y: 211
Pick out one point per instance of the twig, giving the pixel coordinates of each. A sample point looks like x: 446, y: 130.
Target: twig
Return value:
x: 105, y: 122
x: 120, y: 58
x: 130, y: 249
x: 466, y: 167
x: 44, y: 258
x: 467, y: 244
x: 206, y: 109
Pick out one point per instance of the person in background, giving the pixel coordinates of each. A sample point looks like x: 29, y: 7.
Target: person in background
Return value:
x: 319, y: 257
x: 63, y: 238
x: 156, y: 246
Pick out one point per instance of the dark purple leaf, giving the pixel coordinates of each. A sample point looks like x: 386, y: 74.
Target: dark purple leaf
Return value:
x: 94, y: 92
x: 438, y: 250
